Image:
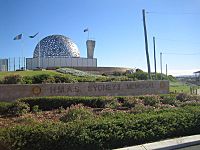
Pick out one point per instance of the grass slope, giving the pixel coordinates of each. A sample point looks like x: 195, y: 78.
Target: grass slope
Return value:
x: 178, y: 87
x: 28, y: 73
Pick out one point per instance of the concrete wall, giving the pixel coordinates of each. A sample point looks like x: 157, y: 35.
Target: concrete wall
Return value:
x: 33, y: 63
x: 126, y: 88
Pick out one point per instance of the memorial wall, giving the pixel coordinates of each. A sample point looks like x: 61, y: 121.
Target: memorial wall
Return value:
x: 11, y: 92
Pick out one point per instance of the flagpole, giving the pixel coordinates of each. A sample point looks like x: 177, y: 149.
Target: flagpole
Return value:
x: 88, y: 34
x: 14, y: 63
x: 33, y: 36
x: 22, y: 55
x: 39, y: 53
x: 9, y: 64
x: 1, y: 63
x: 24, y: 63
x: 19, y: 62
x: 19, y: 37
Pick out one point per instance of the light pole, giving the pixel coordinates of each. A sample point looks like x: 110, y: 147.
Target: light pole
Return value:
x: 146, y: 45
x: 154, y: 47
x: 161, y: 65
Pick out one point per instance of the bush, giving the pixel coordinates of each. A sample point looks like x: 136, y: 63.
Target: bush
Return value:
x: 1, y: 81
x: 77, y: 112
x: 55, y: 102
x: 129, y: 102
x: 113, y: 105
x: 12, y: 79
x: 4, y: 107
x: 171, y: 100
x: 182, y: 97
x: 139, y: 75
x: 107, y: 112
x: 64, y: 79
x: 18, y: 108
x: 108, y: 132
x: 35, y: 109
x: 27, y: 80
x: 139, y: 108
x: 150, y: 100
x: 40, y: 78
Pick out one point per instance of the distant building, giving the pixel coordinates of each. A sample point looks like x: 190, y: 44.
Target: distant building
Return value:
x: 60, y: 51
x: 197, y: 75
x: 3, y: 64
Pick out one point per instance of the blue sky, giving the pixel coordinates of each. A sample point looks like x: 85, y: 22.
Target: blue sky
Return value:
x: 116, y: 25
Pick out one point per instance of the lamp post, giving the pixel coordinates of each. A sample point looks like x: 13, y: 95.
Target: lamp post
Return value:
x: 161, y: 64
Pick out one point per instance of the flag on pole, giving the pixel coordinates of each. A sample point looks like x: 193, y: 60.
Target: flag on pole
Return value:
x: 18, y: 37
x: 85, y: 30
x: 32, y: 36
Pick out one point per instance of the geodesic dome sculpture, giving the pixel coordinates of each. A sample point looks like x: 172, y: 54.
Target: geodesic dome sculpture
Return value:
x: 56, y: 46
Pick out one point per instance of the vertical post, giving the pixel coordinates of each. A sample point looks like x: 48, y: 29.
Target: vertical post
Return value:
x: 161, y: 64
x: 19, y: 63
x: 14, y: 63
x: 9, y: 64
x: 88, y: 34
x: 146, y: 45
x: 24, y: 63
x: 39, y: 55
x: 1, y: 64
x: 154, y: 47
x: 166, y: 70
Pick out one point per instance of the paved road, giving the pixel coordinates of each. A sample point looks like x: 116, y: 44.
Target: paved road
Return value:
x: 195, y: 147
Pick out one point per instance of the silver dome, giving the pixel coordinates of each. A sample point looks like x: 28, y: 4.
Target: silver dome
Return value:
x: 56, y: 46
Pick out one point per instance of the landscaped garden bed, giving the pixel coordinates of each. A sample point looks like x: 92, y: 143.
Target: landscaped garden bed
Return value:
x: 96, y: 122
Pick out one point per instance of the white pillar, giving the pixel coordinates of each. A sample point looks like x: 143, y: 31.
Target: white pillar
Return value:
x: 90, y: 48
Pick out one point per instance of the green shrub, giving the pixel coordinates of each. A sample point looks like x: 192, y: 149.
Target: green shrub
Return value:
x: 35, y: 109
x: 192, y: 98
x: 61, y: 110
x: 113, y: 105
x: 122, y: 78
x: 18, y: 108
x: 26, y: 120
x: 86, y: 79
x: 171, y: 100
x: 64, y: 78
x: 50, y: 79
x: 4, y: 107
x: 182, y: 97
x: 40, y: 78
x: 77, y: 112
x: 1, y: 81
x: 139, y: 108
x: 107, y: 112
x: 150, y: 100
x: 12, y: 79
x: 27, y: 80
x: 103, y: 79
x: 139, y: 75
x: 129, y: 102
x: 108, y: 132
x: 115, y: 73
x: 55, y: 102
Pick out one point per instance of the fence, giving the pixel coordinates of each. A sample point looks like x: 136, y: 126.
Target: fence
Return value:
x: 12, y: 64
x: 195, y: 90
